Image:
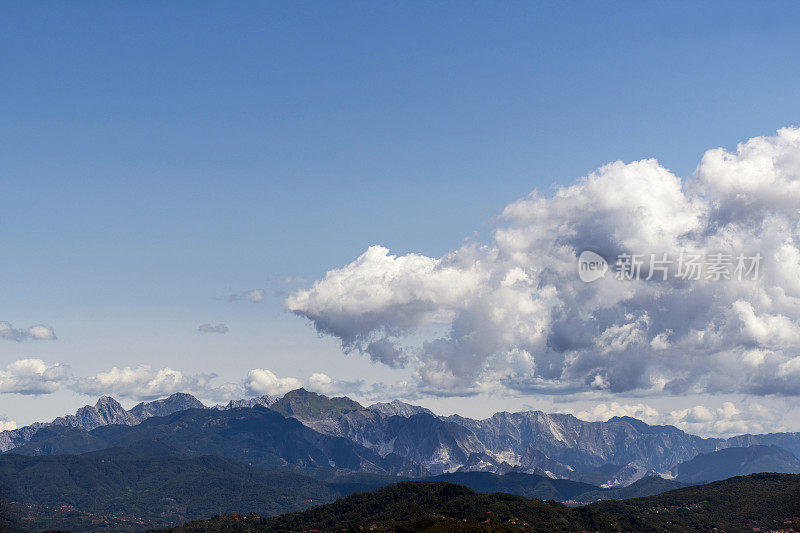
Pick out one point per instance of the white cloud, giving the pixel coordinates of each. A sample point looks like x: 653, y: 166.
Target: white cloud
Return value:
x: 261, y: 381
x: 320, y: 381
x: 726, y: 420
x: 254, y: 296
x: 144, y: 382
x: 213, y: 328
x: 762, y: 176
x: 602, y: 412
x: 38, y: 332
x: 325, y: 384
x: 32, y: 376
x: 7, y: 425
x: 512, y: 314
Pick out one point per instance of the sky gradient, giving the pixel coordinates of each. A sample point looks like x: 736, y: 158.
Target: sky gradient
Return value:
x: 156, y: 159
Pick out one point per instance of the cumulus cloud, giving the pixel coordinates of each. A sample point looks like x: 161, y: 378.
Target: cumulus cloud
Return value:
x: 7, y: 425
x: 254, y: 296
x: 726, y: 420
x: 261, y: 381
x: 603, y: 411
x: 144, y: 383
x: 213, y: 328
x: 38, y: 332
x: 512, y: 314
x: 32, y: 376
x: 325, y: 384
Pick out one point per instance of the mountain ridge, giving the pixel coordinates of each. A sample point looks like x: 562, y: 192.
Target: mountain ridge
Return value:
x: 736, y: 461
x: 106, y: 411
x: 258, y: 436
x: 616, y: 452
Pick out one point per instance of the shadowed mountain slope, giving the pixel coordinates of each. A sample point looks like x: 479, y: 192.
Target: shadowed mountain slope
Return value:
x: 765, y: 501
x: 106, y: 411
x: 527, y: 485
x: 130, y: 490
x: 257, y: 436
x: 731, y: 462
x: 647, y: 486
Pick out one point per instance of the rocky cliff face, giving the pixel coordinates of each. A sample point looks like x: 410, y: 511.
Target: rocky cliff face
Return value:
x: 399, y: 408
x: 106, y: 411
x: 265, y: 401
x: 12, y: 438
x: 613, y: 453
x: 577, y: 444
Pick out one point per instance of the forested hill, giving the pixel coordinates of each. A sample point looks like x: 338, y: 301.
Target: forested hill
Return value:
x: 766, y: 501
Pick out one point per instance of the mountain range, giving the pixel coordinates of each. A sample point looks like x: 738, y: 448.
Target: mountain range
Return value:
x: 174, y: 460
x: 256, y: 436
x: 305, y: 430
x: 105, y: 412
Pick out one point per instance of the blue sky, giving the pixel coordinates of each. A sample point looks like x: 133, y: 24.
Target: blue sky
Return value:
x: 157, y: 158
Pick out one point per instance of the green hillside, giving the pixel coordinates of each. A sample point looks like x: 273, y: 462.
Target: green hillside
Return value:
x: 766, y: 501
x: 119, y: 490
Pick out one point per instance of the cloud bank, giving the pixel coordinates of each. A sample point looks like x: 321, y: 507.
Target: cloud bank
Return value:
x: 140, y: 383
x: 724, y: 421
x: 512, y: 315
x: 32, y: 376
x: 39, y: 332
x: 143, y: 382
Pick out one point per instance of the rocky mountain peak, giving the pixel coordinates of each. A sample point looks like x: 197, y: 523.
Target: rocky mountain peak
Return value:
x: 180, y: 401
x: 106, y: 400
x: 398, y: 408
x: 307, y: 405
x: 265, y: 401
x: 110, y: 410
x: 106, y: 411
